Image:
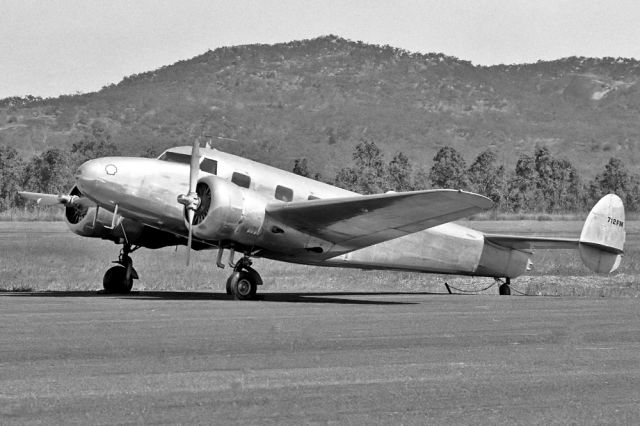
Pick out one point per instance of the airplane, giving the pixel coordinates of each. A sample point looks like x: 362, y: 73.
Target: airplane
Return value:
x: 207, y: 199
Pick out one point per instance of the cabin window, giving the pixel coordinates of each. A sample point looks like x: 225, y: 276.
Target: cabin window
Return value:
x: 210, y: 166
x: 283, y: 193
x: 175, y: 157
x: 313, y: 197
x: 241, y: 179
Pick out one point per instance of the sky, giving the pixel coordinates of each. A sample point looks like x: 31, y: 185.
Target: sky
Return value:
x: 54, y: 47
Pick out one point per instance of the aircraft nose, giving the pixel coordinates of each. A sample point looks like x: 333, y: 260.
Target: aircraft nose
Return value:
x: 92, y: 172
x: 88, y: 170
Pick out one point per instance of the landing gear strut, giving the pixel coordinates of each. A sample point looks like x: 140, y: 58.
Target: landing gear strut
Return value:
x: 244, y: 281
x: 505, y: 288
x: 119, y: 279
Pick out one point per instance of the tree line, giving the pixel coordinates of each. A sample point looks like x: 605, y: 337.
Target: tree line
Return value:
x: 53, y: 170
x: 539, y: 183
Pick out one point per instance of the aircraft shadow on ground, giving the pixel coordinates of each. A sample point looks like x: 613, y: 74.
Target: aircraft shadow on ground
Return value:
x: 315, y: 297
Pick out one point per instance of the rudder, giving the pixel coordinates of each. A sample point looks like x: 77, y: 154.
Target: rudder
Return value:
x: 603, y: 235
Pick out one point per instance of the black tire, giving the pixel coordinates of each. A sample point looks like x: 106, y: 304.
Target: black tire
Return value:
x: 115, y: 280
x: 243, y: 286
x: 228, y: 286
x: 255, y: 276
x: 504, y: 290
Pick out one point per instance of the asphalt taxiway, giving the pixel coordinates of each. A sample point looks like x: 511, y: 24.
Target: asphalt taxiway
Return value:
x: 171, y: 357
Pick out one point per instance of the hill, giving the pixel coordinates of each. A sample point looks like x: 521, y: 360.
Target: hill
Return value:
x: 318, y: 98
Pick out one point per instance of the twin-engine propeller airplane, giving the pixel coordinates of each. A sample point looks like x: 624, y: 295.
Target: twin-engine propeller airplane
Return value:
x: 216, y: 200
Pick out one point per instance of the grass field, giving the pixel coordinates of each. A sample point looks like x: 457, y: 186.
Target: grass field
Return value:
x: 45, y: 256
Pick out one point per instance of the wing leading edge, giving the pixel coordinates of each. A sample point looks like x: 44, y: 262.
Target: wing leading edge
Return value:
x: 361, y: 221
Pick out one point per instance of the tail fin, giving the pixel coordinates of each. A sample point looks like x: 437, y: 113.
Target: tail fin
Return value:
x: 603, y: 235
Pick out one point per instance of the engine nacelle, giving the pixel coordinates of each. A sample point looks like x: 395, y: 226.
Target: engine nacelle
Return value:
x: 80, y: 220
x: 228, y: 212
x: 83, y: 221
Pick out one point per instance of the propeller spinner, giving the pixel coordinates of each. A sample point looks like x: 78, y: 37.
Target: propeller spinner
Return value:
x: 191, y: 200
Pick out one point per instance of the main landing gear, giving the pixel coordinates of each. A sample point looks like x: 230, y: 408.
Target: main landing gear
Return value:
x: 119, y: 279
x: 242, y: 284
x: 244, y: 281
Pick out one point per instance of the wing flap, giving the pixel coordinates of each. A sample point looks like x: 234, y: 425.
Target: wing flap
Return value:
x: 360, y: 221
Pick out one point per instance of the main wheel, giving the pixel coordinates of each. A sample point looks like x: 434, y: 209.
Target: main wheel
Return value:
x: 115, y: 280
x: 243, y: 286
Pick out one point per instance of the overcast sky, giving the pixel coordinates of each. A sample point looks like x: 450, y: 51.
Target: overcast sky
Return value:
x: 53, y: 47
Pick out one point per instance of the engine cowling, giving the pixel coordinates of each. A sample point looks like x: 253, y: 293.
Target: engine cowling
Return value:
x: 82, y: 220
x: 228, y: 212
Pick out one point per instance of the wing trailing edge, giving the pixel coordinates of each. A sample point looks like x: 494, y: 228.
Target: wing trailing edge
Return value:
x: 361, y: 221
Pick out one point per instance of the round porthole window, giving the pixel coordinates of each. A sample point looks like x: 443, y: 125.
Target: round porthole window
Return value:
x: 111, y: 169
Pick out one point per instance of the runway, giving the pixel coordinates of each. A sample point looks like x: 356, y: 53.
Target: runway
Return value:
x: 174, y: 357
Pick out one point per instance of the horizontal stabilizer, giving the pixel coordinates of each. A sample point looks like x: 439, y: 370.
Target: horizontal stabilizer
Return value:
x: 530, y: 243
x: 601, y: 243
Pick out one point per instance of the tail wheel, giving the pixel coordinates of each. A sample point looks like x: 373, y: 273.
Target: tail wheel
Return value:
x: 505, y: 288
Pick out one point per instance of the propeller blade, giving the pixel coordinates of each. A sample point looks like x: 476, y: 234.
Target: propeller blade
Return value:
x: 53, y: 199
x: 194, y: 167
x: 191, y: 201
x: 190, y: 219
x: 45, y: 199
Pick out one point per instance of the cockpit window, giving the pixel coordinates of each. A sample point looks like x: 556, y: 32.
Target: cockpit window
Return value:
x: 210, y: 166
x: 175, y: 157
x: 241, y: 180
x: 283, y: 193
x: 207, y: 165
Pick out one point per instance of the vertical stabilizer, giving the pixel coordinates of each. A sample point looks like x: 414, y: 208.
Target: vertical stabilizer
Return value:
x: 603, y: 235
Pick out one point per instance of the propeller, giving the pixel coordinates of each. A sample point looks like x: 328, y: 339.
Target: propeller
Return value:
x: 191, y: 201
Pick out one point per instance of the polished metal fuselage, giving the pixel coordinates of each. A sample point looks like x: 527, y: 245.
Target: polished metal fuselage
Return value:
x: 146, y: 190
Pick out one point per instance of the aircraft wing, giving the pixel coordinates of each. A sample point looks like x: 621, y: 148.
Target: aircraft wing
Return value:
x: 523, y: 242
x: 361, y: 221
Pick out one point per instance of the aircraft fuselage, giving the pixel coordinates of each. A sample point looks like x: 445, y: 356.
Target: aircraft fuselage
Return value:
x: 144, y: 192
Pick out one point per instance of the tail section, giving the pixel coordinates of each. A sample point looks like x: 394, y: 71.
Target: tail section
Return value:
x: 603, y: 235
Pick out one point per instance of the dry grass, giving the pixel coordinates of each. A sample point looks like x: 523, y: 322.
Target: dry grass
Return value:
x: 46, y: 256
x: 40, y: 214
x: 16, y: 290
